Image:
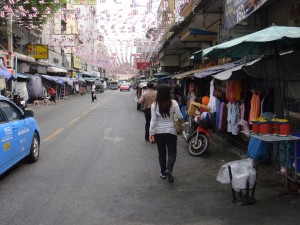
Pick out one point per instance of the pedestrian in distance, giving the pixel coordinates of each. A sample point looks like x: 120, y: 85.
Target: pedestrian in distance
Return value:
x: 163, y: 131
x: 94, y: 97
x: 146, y: 100
x: 52, y: 93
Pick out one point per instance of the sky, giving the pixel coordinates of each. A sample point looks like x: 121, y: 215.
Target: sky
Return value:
x: 123, y: 25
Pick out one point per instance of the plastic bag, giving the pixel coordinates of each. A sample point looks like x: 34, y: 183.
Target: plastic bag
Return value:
x: 179, y: 124
x: 242, y: 171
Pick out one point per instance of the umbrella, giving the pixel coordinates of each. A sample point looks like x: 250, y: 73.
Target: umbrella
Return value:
x: 270, y: 40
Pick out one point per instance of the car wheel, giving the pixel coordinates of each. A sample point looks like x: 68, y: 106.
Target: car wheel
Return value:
x: 34, y: 149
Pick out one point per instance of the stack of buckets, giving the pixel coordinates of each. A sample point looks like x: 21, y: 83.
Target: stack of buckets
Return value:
x: 280, y: 127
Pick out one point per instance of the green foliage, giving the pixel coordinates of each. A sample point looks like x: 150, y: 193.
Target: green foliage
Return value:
x: 42, y: 9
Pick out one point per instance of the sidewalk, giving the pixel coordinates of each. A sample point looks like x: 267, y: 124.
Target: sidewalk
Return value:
x: 267, y: 175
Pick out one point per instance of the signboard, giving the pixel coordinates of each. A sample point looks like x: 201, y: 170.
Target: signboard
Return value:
x: 84, y: 2
x: 235, y: 32
x: 59, y: 40
x: 38, y: 51
x: 76, y: 62
x: 142, y: 65
x: 238, y: 10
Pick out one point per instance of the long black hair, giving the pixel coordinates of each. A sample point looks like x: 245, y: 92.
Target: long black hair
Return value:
x: 164, y: 100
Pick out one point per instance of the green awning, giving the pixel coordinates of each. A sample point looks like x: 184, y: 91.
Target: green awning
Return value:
x: 267, y: 41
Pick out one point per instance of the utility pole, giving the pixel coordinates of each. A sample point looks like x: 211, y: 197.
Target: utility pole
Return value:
x: 9, y: 40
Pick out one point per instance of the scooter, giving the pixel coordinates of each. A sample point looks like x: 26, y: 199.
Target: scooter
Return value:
x: 19, y: 101
x: 197, y: 135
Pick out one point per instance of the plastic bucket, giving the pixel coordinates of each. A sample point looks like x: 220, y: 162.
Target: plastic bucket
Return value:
x: 274, y: 128
x: 255, y: 127
x: 284, y: 129
x: 264, y: 128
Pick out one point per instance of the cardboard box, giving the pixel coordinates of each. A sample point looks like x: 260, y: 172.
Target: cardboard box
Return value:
x: 192, y: 111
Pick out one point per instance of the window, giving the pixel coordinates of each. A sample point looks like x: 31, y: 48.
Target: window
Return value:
x: 11, y: 112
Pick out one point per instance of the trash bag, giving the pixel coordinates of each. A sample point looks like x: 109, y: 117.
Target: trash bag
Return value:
x: 242, y: 171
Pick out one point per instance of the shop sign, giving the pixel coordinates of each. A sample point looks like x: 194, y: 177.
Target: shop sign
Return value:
x: 42, y: 69
x: 235, y: 32
x: 238, y: 10
x: 38, y: 51
x: 66, y: 40
x: 142, y: 65
x: 77, y: 62
x: 23, y: 67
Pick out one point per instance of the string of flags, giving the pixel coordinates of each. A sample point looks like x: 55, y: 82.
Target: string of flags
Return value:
x: 106, y: 20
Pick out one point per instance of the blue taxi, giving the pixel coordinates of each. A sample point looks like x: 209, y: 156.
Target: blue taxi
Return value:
x: 19, y: 135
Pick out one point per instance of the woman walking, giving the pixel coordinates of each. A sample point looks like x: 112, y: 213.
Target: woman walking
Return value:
x: 162, y: 130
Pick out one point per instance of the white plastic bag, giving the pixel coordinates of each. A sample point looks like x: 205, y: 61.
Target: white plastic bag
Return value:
x: 241, y: 170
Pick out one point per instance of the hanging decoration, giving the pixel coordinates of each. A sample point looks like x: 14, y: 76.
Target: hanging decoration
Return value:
x: 112, y: 34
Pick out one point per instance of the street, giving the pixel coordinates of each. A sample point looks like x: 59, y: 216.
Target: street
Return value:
x: 96, y: 168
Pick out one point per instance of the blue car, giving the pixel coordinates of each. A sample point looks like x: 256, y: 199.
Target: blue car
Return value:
x: 19, y: 135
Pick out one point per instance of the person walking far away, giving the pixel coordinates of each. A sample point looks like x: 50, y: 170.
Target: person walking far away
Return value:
x: 162, y: 130
x: 146, y: 100
x: 94, y: 97
x: 52, y: 93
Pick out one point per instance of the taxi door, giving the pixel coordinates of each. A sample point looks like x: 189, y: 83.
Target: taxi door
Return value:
x: 19, y: 128
x: 6, y: 143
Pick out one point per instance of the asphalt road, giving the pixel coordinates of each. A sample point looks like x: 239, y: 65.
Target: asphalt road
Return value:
x: 96, y: 168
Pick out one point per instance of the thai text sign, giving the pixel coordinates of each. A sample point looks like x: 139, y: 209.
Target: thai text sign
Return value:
x: 238, y: 10
x: 38, y: 51
x: 60, y: 40
x: 142, y: 65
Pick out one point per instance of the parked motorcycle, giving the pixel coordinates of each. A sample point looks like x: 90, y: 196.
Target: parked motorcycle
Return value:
x: 197, y: 134
x: 19, y: 101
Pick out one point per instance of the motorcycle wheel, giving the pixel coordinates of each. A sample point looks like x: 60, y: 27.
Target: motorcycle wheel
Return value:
x: 199, y: 146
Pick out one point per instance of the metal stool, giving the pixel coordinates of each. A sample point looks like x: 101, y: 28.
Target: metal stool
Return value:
x: 243, y: 197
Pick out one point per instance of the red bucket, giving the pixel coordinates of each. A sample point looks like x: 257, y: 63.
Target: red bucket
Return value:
x: 264, y: 128
x: 284, y: 129
x: 255, y: 127
x: 274, y: 128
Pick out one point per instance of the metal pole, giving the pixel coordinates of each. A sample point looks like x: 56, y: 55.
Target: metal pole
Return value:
x: 10, y: 43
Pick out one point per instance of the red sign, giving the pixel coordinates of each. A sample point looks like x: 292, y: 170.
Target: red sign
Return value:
x: 142, y: 65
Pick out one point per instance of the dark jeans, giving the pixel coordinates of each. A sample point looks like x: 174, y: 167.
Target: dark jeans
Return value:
x: 147, y: 113
x: 52, y: 98
x: 93, y: 96
x: 166, y: 143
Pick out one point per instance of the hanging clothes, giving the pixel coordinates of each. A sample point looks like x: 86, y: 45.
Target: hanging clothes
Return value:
x: 229, y: 117
x: 218, y: 113
x: 243, y: 122
x: 212, y: 99
x: 255, y: 106
x: 235, y: 118
x: 233, y: 90
x: 221, y: 115
x: 224, y: 117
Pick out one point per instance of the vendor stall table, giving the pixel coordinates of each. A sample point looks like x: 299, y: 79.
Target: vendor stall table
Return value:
x: 282, y: 161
